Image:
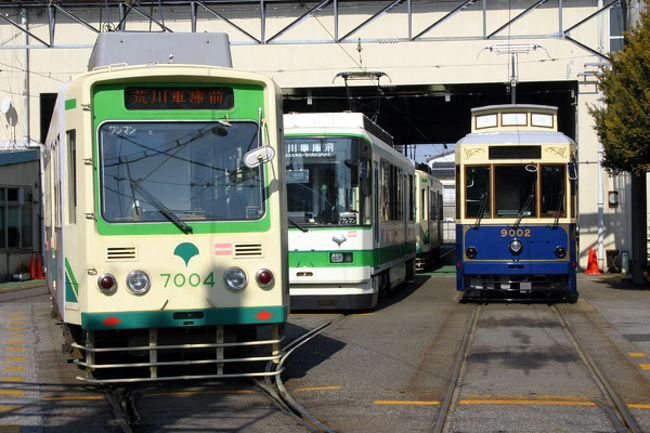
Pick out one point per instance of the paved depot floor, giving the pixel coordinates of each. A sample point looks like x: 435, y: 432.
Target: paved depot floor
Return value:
x: 413, y: 332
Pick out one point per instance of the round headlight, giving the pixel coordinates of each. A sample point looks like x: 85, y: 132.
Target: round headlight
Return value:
x: 138, y: 282
x: 471, y: 252
x: 560, y: 251
x: 515, y: 246
x: 235, y: 278
x: 107, y: 284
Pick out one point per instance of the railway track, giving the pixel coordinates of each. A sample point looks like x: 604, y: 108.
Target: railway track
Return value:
x: 612, y: 405
x: 122, y: 399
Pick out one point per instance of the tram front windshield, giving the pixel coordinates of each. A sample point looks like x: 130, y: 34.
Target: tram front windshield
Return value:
x: 526, y: 190
x: 328, y: 180
x: 188, y: 171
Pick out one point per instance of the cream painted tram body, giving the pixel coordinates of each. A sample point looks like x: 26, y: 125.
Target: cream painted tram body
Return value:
x: 165, y: 239
x: 428, y: 218
x: 516, y: 207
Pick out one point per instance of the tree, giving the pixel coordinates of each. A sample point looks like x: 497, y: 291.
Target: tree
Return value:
x: 623, y: 126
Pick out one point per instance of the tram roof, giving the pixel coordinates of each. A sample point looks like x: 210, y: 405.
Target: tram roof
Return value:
x: 515, y: 137
x: 138, y: 48
x: 338, y: 120
x: 514, y: 107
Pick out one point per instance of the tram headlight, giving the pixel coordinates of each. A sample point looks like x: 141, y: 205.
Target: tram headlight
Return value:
x: 235, y: 278
x: 138, y: 282
x: 471, y: 252
x: 515, y: 246
x: 264, y: 277
x: 107, y: 284
x: 340, y: 257
x: 560, y: 251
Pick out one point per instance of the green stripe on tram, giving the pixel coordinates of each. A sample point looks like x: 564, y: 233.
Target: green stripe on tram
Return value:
x: 71, y: 284
x: 377, y: 257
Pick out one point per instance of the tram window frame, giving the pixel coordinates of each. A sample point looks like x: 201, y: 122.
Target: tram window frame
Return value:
x: 423, y: 203
x: 411, y: 202
x: 71, y: 150
x: 497, y: 196
x: 384, y: 191
x: 563, y: 177
x: 487, y: 212
x: 519, y: 118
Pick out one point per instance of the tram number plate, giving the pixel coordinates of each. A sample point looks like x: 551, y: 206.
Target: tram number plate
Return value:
x: 525, y: 287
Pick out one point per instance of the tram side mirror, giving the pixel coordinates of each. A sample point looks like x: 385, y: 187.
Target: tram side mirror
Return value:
x: 258, y: 156
x: 571, y: 170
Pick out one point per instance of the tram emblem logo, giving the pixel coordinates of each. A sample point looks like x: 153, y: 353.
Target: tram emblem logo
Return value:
x: 186, y: 251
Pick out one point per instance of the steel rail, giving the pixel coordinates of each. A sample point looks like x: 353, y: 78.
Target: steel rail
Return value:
x: 461, y: 362
x: 629, y: 423
x: 279, y: 391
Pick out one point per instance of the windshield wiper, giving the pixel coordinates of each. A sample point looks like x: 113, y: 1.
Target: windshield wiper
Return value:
x: 524, y: 208
x: 164, y: 210
x: 295, y: 224
x: 560, y: 206
x: 481, y: 209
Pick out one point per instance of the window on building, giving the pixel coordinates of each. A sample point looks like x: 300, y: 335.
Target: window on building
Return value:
x: 16, y: 228
x: 616, y: 28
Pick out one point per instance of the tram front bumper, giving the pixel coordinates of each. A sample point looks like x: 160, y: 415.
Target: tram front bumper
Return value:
x: 538, y: 282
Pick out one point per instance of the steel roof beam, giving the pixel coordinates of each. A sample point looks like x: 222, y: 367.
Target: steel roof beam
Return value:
x: 460, y: 8
x: 131, y: 7
x: 27, y: 32
x: 526, y: 12
x: 221, y: 17
x: 301, y: 18
x: 72, y: 17
x: 372, y: 18
x: 598, y: 12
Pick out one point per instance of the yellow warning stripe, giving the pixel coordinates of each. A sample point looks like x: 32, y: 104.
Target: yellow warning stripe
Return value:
x: 529, y: 402
x: 408, y: 402
x: 75, y: 397
x: 317, y: 388
x: 178, y: 393
x: 4, y: 408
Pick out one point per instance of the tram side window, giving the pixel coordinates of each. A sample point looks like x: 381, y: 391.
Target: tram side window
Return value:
x: 514, y: 191
x: 385, y: 201
x: 477, y: 191
x: 411, y: 202
x: 72, y: 175
x: 552, y: 191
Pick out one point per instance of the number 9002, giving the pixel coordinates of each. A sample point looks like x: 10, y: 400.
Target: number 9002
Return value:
x: 522, y: 233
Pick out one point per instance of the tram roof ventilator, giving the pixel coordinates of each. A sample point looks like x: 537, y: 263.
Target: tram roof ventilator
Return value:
x: 138, y: 48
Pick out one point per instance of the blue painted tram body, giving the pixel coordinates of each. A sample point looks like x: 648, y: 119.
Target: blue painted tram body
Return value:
x: 515, y: 189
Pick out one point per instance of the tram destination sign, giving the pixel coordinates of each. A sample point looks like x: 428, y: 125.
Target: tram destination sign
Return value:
x: 179, y: 98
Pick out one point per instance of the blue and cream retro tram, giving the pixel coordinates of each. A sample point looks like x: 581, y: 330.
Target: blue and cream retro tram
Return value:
x: 515, y: 198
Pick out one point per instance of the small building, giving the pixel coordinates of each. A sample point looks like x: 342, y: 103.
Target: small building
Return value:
x: 20, y: 218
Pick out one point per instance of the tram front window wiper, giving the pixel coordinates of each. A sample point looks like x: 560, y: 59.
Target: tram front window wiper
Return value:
x: 295, y: 224
x: 164, y: 210
x: 481, y: 210
x: 560, y: 207
x: 524, y: 208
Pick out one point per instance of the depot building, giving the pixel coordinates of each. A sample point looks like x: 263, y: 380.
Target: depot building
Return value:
x: 416, y: 66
